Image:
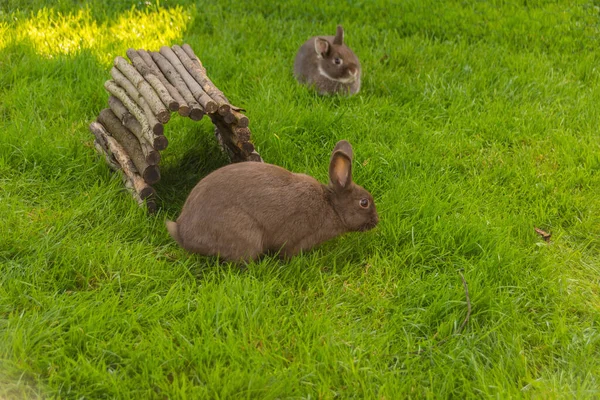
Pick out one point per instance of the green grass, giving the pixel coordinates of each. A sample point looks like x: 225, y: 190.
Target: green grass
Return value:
x: 477, y: 121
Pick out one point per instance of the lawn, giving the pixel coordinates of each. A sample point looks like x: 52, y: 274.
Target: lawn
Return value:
x: 477, y: 122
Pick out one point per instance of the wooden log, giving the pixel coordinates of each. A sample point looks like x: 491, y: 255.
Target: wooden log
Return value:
x: 149, y: 201
x: 144, y: 88
x: 208, y: 86
x: 229, y: 118
x: 130, y: 143
x: 235, y: 118
x: 150, y: 149
x: 240, y: 119
x: 139, y: 185
x: 110, y: 160
x: 236, y: 140
x: 101, y: 146
x: 209, y: 105
x: 184, y: 109
x: 153, y: 80
x: 156, y: 127
x: 120, y: 93
x: 113, y: 164
x: 194, y: 66
x: 196, y: 111
x: 242, y: 134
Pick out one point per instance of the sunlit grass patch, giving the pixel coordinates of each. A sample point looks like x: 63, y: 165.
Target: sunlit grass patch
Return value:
x: 52, y: 33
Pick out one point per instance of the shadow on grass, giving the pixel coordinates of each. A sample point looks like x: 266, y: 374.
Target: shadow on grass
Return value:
x: 197, y: 155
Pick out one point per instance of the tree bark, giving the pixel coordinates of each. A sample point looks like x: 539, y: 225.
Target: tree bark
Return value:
x: 209, y: 105
x: 184, y: 109
x: 130, y: 143
x: 144, y: 88
x: 196, y: 111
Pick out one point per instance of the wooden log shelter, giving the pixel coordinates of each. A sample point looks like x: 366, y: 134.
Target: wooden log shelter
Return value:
x: 129, y: 133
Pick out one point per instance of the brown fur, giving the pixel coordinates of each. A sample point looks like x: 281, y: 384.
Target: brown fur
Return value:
x: 243, y: 210
x: 315, y: 65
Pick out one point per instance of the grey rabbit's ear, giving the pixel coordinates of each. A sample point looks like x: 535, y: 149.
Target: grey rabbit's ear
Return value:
x: 339, y: 36
x: 340, y: 166
x: 321, y: 46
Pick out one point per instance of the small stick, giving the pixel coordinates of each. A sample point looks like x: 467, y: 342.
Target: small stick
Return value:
x: 150, y: 143
x: 204, y: 99
x: 545, y: 235
x: 130, y: 143
x: 196, y: 112
x: 184, y: 109
x: 153, y: 80
x: 144, y: 88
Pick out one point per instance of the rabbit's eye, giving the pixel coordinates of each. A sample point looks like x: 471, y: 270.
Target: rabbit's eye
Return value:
x: 364, y: 203
x: 337, y: 60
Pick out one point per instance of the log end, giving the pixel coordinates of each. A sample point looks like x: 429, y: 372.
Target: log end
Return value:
x: 184, y: 110
x: 229, y: 118
x: 153, y: 157
x: 151, y: 175
x: 243, y: 134
x: 247, y: 147
x: 160, y: 142
x: 196, y: 114
x: 163, y: 116
x: 224, y: 109
x: 146, y: 192
x: 158, y: 129
x: 243, y: 122
x: 173, y: 105
x: 151, y: 206
x: 211, y: 107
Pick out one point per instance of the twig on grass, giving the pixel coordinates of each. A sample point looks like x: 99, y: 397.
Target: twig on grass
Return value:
x: 545, y: 235
x: 461, y: 327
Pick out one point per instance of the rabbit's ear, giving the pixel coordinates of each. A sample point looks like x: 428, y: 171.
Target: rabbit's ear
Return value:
x: 339, y: 36
x: 321, y: 46
x: 340, y: 166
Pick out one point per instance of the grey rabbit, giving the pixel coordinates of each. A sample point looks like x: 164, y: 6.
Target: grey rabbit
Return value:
x: 326, y: 63
x: 244, y: 210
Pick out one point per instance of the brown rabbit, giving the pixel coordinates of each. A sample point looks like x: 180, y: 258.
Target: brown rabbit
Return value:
x: 326, y: 63
x: 243, y: 210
